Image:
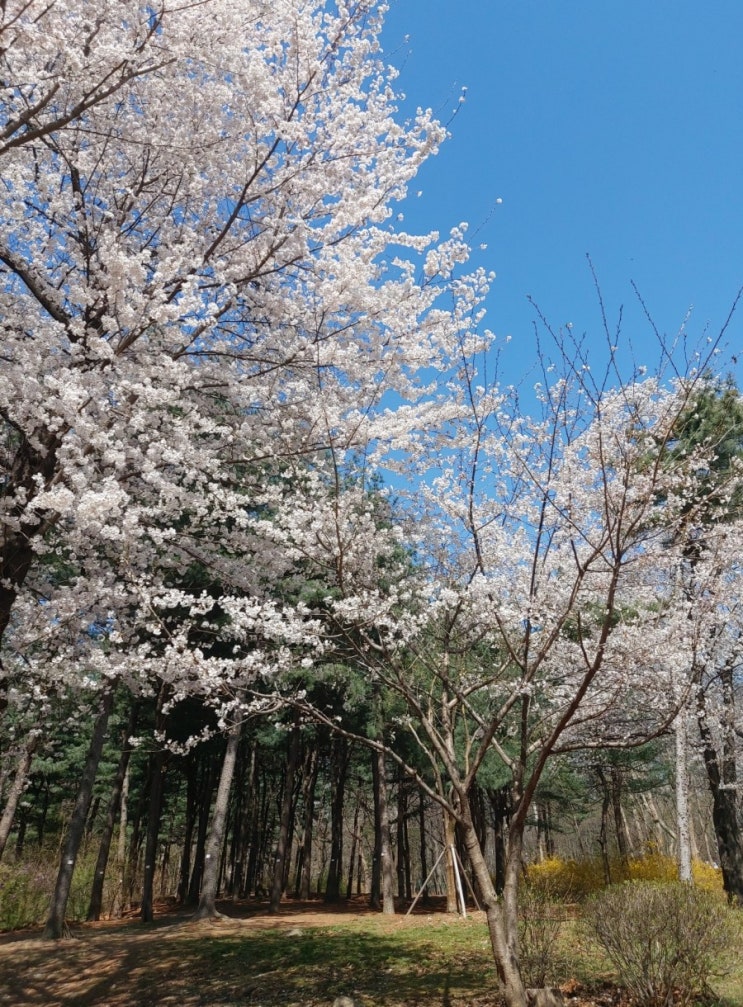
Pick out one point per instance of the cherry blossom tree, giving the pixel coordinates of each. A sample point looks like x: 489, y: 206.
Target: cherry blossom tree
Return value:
x: 543, y: 615
x: 711, y: 550
x: 203, y: 289
x: 200, y: 283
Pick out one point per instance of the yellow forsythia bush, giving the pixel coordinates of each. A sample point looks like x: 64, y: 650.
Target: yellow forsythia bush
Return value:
x: 574, y: 880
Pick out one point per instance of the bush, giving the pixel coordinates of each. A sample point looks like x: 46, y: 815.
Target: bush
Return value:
x: 540, y: 916
x: 26, y: 887
x: 665, y: 940
x: 24, y: 894
x: 574, y: 880
x: 567, y: 879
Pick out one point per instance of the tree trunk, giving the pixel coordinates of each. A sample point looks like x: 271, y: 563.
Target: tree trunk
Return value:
x: 501, y: 914
x: 32, y: 469
x: 355, y: 840
x: 204, y: 801
x: 375, y: 893
x: 450, y: 839
x: 661, y: 829
x: 402, y: 859
x: 15, y: 793
x: 42, y: 816
x: 246, y: 823
x: 308, y: 799
x: 157, y: 770
x: 385, y: 852
x: 96, y: 894
x: 339, y: 770
x: 147, y: 912
x: 117, y: 908
x: 207, y: 908
x: 252, y: 870
x: 55, y: 924
x: 603, y: 837
x: 135, y: 840
x: 722, y: 777
x: 500, y: 803
x: 279, y: 865
x: 382, y: 896
x: 184, y: 870
x: 682, y: 798
x: 422, y: 831
x: 616, y: 776
x: 545, y: 839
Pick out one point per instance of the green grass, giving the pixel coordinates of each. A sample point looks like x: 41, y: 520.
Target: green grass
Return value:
x: 730, y: 987
x: 435, y: 963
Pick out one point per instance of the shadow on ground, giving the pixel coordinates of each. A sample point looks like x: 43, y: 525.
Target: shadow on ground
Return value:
x: 295, y: 958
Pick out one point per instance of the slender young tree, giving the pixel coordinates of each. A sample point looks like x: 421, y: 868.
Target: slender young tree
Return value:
x: 54, y: 927
x: 282, y: 845
x: 112, y: 816
x: 16, y: 789
x: 548, y: 619
x: 209, y: 882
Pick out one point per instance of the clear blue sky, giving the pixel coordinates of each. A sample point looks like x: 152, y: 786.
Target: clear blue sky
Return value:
x: 608, y: 127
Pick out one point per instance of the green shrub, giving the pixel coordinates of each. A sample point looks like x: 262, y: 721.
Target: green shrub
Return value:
x: 667, y: 941
x: 24, y: 894
x: 26, y: 887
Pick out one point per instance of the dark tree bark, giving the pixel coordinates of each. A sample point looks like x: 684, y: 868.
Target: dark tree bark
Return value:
x: 139, y: 823
x: 546, y: 840
x: 603, y: 837
x: 720, y: 764
x: 308, y: 801
x: 147, y: 912
x: 204, y: 804
x: 340, y: 756
x: 263, y: 836
x: 481, y: 820
x: 237, y: 831
x: 184, y: 870
x: 617, y: 790
x: 257, y: 830
x: 112, y: 814
x: 500, y: 803
x: 246, y: 826
x: 403, y: 850
x: 20, y: 838
x: 501, y: 912
x: 282, y: 845
x: 55, y: 924
x: 450, y: 842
